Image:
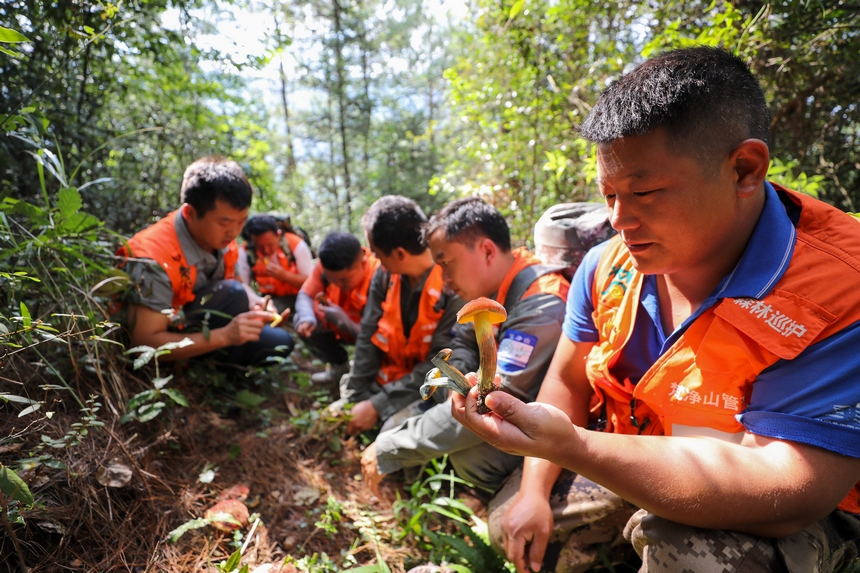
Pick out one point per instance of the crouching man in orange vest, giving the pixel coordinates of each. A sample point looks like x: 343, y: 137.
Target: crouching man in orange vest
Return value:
x: 471, y: 241
x: 407, y: 320
x: 330, y: 305
x: 183, y: 268
x: 715, y: 337
x: 277, y: 262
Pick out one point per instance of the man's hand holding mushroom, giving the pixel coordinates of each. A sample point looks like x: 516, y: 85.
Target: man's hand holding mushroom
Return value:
x: 520, y: 429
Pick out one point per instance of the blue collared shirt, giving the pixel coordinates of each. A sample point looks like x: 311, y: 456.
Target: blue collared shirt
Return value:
x: 813, y: 399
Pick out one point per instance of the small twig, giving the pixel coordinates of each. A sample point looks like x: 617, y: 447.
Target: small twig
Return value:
x: 110, y: 508
x: 153, y: 557
x: 314, y: 532
x: 250, y: 535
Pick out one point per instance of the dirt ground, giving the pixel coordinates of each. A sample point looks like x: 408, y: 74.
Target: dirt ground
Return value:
x: 291, y: 458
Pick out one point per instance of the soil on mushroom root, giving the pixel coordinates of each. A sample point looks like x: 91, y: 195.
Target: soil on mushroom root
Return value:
x: 291, y: 459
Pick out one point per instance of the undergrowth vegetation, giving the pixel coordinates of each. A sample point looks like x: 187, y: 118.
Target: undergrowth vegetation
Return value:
x: 109, y: 462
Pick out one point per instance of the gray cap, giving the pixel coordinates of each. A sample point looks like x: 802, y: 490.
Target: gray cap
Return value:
x: 565, y: 232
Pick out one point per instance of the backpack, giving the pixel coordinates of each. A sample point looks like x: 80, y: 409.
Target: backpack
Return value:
x: 563, y: 234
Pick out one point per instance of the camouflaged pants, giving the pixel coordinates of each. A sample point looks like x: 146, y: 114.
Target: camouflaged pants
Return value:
x: 827, y: 546
x: 590, y: 520
x: 587, y: 518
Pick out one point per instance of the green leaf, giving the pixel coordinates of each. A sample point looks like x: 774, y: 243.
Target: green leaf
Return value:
x: 367, y: 569
x: 186, y: 527
x: 176, y: 396
x: 9, y: 52
x: 516, y: 8
x: 170, y: 346
x: 14, y: 486
x: 233, y: 561
x: 146, y: 354
x: 25, y: 315
x: 17, y: 399
x: 29, y: 410
x: 249, y: 399
x: 8, y: 36
x: 68, y: 201
x: 159, y: 383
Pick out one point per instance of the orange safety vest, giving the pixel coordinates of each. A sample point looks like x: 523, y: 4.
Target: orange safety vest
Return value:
x: 268, y: 284
x: 699, y: 384
x: 160, y: 243
x: 552, y: 283
x: 354, y: 301
x: 401, y: 355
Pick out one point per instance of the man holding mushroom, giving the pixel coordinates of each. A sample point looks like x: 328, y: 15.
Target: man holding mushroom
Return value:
x: 471, y: 242
x: 708, y: 372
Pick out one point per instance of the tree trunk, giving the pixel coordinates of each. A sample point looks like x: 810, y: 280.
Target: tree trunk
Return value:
x: 342, y: 103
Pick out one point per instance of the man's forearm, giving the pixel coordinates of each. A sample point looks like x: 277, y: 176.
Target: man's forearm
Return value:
x: 304, y: 309
x: 762, y: 486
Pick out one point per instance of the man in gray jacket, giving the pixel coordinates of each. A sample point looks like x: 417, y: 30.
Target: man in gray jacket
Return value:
x: 471, y: 241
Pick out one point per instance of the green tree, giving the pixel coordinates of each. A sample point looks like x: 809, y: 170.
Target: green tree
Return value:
x: 528, y: 74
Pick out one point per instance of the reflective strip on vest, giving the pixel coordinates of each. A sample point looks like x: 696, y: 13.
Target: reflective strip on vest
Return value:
x: 401, y: 355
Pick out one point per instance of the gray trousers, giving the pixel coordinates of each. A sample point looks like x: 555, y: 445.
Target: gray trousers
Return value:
x: 436, y: 433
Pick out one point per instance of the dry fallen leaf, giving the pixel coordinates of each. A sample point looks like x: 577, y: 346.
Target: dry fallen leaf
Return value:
x: 306, y: 495
x: 239, y: 491
x: 114, y: 474
x: 232, y: 507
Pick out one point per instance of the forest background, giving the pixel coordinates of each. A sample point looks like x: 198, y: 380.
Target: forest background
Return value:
x: 102, y: 105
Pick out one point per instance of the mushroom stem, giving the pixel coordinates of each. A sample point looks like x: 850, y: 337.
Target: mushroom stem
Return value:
x: 487, y: 351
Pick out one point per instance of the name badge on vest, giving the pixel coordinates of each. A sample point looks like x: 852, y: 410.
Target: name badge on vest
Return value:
x: 515, y: 350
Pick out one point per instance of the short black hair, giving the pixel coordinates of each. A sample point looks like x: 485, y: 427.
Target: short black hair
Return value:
x: 395, y: 221
x: 706, y: 99
x: 339, y: 251
x: 467, y: 220
x: 211, y: 178
x: 256, y: 225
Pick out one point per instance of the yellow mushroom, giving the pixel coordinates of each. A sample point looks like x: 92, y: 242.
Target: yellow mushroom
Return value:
x: 484, y: 312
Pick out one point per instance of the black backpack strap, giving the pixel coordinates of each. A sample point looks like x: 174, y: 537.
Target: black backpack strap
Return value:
x: 524, y: 280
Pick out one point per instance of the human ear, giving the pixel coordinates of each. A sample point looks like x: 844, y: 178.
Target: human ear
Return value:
x: 487, y: 249
x: 751, y: 159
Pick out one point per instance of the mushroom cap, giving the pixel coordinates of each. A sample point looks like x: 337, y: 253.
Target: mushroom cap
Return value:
x: 496, y: 313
